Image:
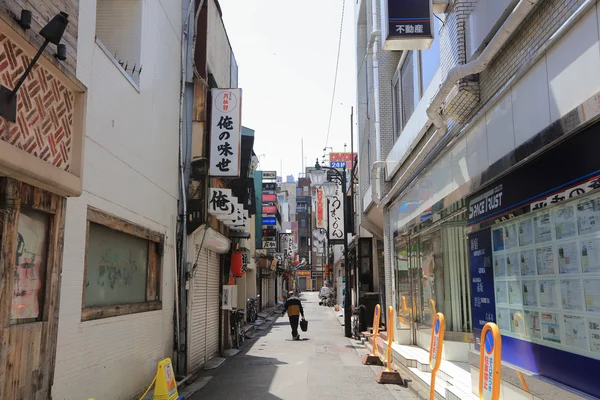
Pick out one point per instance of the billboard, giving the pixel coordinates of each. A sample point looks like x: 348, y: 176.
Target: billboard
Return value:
x: 225, y: 132
x: 337, y: 160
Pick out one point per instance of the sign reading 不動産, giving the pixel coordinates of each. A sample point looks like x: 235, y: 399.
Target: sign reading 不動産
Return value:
x: 225, y: 132
x: 407, y: 24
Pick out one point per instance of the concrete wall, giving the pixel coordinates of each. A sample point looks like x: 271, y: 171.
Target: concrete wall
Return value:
x: 218, y: 48
x: 130, y: 171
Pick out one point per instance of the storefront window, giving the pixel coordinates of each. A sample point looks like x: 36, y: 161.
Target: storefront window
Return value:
x: 404, y: 298
x: 30, y: 267
x: 432, y: 282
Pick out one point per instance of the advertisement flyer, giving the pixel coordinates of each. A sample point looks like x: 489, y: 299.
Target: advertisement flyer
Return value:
x: 594, y: 325
x: 592, y: 295
x: 568, y: 260
x: 526, y: 232
x: 533, y: 323
x: 514, y: 292
x: 575, y: 332
x: 517, y: 322
x: 571, y: 294
x: 548, y: 294
x: 499, y: 266
x: 590, y: 256
x: 588, y: 216
x: 498, y: 239
x: 543, y: 228
x: 545, y: 261
x: 512, y: 264
x: 528, y: 267
x: 565, y: 223
x: 510, y: 237
x: 530, y: 293
x: 503, y: 319
x: 501, y: 292
x: 550, y: 328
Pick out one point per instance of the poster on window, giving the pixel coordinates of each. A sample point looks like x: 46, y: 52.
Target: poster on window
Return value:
x: 592, y: 295
x: 590, y: 256
x: 498, y: 239
x: 571, y: 294
x: 511, y: 240
x: 588, y: 218
x: 550, y: 328
x: 533, y: 324
x: 548, y: 294
x: 565, y: 223
x: 514, y: 292
x: 30, y: 265
x: 499, y: 267
x: 543, y: 228
x: 512, y: 264
x: 568, y: 258
x: 575, y: 332
x: 503, y: 319
x: 528, y: 267
x: 594, y: 325
x: 545, y: 260
x: 526, y: 233
x: 502, y: 292
x: 530, y: 294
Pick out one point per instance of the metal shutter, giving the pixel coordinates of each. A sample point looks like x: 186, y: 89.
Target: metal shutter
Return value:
x: 272, y: 290
x: 197, y: 313
x: 213, y: 306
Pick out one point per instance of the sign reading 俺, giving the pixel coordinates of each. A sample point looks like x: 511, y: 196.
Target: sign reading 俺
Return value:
x: 225, y: 132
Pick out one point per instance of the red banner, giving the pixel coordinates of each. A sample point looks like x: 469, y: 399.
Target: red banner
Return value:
x: 269, y: 198
x: 269, y: 209
x: 320, y: 213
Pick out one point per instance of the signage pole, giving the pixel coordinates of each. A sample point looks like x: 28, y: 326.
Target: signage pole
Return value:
x: 435, y: 349
x: 490, y: 355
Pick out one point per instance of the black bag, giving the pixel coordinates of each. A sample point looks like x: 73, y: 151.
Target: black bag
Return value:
x: 304, y: 325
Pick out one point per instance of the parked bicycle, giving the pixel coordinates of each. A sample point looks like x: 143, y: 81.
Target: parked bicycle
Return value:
x: 356, y: 321
x: 237, y: 328
x: 251, y: 310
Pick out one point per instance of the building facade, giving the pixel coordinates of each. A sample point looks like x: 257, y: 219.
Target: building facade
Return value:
x: 457, y: 176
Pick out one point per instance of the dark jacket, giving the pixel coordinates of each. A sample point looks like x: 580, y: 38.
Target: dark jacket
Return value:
x: 293, y: 306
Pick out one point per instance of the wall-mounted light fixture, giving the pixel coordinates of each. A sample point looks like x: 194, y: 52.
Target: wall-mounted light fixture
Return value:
x: 52, y: 33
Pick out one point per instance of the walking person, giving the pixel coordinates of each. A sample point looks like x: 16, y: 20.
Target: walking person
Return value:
x: 293, y: 307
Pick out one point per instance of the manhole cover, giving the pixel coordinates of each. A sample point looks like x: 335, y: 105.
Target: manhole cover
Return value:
x: 260, y: 362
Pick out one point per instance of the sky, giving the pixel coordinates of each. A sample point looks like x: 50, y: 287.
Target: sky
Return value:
x: 286, y: 53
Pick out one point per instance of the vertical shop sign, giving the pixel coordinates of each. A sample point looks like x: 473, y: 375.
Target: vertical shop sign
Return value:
x: 225, y: 132
x: 482, y: 282
x: 336, y: 217
x: 320, y: 213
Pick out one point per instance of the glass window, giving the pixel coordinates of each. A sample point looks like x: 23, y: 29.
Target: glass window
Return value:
x: 117, y: 265
x: 430, y: 59
x: 409, y: 96
x: 30, y: 267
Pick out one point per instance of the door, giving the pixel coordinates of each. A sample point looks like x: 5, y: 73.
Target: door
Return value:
x: 31, y: 235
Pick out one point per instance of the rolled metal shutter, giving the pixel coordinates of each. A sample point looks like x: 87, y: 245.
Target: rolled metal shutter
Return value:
x: 197, y: 307
x: 213, y: 305
x: 272, y: 290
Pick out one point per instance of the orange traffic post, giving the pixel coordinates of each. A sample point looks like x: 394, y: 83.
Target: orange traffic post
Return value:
x: 490, y: 357
x: 519, y: 317
x: 433, y: 309
x: 435, y: 349
x: 373, y: 358
x: 388, y: 375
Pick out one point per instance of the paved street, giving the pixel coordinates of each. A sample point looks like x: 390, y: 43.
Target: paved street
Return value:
x: 325, y: 365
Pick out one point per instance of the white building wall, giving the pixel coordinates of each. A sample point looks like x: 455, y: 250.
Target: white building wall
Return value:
x: 218, y: 47
x: 131, y: 157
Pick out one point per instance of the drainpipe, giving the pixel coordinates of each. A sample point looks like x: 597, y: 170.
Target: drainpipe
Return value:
x: 512, y: 23
x: 373, y: 49
x: 476, y: 66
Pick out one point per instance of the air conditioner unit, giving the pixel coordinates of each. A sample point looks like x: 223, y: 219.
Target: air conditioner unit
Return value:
x: 229, y: 297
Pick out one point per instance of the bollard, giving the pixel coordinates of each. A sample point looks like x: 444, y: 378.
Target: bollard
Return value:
x: 518, y: 315
x: 433, y: 310
x: 490, y: 356
x: 388, y: 375
x: 435, y: 349
x: 373, y: 358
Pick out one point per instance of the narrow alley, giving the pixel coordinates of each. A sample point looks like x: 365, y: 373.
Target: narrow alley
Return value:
x: 324, y: 365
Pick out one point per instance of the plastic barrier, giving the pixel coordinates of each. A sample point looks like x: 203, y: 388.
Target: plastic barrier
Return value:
x: 388, y: 375
x: 435, y: 349
x: 373, y: 358
x: 490, y: 355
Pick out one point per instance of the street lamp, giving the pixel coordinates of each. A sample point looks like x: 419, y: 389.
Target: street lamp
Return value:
x: 319, y: 177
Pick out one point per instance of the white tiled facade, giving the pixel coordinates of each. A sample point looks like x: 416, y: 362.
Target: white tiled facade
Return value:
x: 490, y: 115
x: 131, y: 170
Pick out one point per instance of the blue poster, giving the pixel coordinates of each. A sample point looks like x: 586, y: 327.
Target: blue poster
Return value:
x: 482, y: 282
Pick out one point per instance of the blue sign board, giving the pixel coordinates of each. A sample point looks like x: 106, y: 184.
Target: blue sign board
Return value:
x: 482, y: 282
x: 338, y: 164
x: 269, y: 221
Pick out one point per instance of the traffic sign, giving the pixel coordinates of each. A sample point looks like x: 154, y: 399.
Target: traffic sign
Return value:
x: 490, y: 355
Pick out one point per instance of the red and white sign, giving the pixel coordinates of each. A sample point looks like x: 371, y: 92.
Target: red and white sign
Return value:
x: 348, y: 158
x: 320, y: 207
x: 225, y: 132
x: 269, y: 198
x: 269, y: 209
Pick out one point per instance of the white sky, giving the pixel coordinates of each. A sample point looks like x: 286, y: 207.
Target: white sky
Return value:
x: 286, y: 52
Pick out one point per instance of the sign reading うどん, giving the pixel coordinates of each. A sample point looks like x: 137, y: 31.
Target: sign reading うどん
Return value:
x: 225, y: 132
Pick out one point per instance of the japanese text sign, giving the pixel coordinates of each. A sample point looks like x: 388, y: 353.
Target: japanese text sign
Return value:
x: 269, y: 221
x: 269, y: 209
x: 225, y: 132
x: 269, y: 174
x: 341, y: 160
x: 336, y: 217
x: 220, y: 201
x: 320, y: 208
x: 490, y: 356
x: 269, y: 198
x: 407, y: 24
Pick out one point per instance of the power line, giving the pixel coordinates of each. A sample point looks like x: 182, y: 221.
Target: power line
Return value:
x: 337, y: 64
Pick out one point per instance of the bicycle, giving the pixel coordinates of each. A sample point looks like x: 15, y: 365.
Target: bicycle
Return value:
x: 237, y: 329
x: 251, y: 310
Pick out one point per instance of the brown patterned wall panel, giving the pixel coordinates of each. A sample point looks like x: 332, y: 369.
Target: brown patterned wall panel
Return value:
x: 44, y: 126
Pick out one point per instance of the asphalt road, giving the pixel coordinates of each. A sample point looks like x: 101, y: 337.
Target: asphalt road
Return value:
x: 325, y: 365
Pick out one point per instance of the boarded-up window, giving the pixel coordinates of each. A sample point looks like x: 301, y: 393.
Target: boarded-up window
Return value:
x: 30, y: 267
x: 116, y: 267
x: 122, y: 267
